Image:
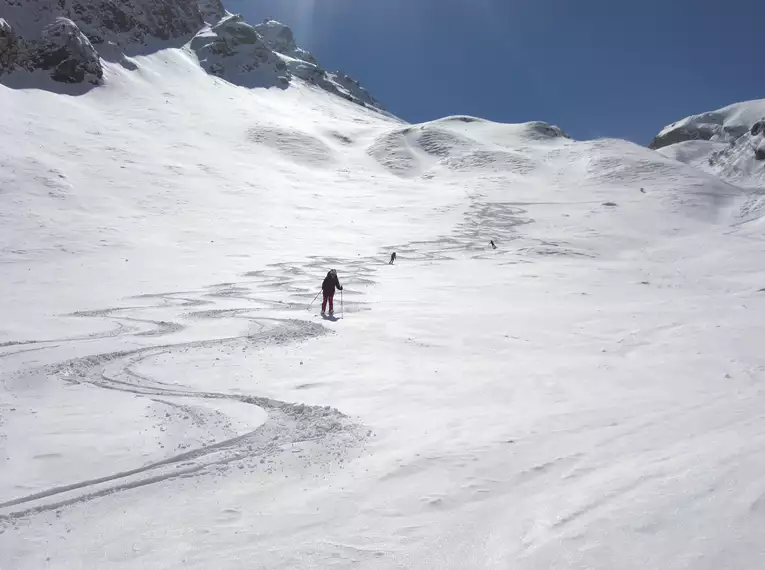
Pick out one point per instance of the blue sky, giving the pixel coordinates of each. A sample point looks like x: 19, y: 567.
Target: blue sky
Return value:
x: 594, y: 67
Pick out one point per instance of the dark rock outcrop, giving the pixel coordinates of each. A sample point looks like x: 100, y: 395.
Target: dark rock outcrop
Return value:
x: 67, y: 53
x: 9, y: 47
x: 233, y: 50
x: 59, y: 35
x: 681, y: 134
x: 212, y: 10
x: 119, y: 21
x: 722, y: 125
x: 68, y: 38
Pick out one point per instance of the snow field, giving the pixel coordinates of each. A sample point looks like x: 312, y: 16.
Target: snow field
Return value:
x: 588, y: 395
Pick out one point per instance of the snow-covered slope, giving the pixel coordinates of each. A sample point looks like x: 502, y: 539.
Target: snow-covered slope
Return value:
x: 587, y: 395
x: 723, y: 125
x: 729, y: 142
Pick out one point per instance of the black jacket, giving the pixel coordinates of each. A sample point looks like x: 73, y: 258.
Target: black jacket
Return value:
x: 330, y: 282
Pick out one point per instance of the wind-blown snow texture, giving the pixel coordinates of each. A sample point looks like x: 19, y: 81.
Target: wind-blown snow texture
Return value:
x: 587, y: 395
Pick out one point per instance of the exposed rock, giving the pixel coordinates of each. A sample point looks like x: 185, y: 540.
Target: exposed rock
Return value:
x: 759, y: 152
x: 119, y: 21
x: 682, y: 134
x: 349, y: 88
x: 61, y: 49
x: 233, y: 50
x: 723, y: 125
x: 280, y: 38
x: 728, y: 142
x: 212, y: 10
x: 68, y: 54
x: 9, y: 47
x: 60, y: 35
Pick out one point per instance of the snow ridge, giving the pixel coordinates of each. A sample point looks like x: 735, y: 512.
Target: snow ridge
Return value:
x: 722, y: 125
x: 728, y: 142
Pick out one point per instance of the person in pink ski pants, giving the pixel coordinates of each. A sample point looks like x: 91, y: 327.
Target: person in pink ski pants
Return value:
x: 331, y: 282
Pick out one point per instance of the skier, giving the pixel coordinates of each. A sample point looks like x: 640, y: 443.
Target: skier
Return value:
x: 492, y: 244
x: 328, y: 288
x: 392, y: 258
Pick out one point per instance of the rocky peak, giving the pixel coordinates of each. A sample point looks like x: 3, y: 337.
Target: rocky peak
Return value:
x: 67, y: 53
x: 9, y: 47
x: 68, y: 38
x: 63, y: 36
x: 722, y: 125
x: 233, y: 50
x: 727, y: 142
x: 266, y: 54
x: 212, y: 10
x: 118, y: 21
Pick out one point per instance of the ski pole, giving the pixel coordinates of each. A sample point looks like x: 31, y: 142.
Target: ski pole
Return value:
x: 314, y: 300
x: 342, y: 313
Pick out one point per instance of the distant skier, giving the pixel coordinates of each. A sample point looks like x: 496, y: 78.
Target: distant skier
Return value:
x: 492, y: 244
x: 392, y: 258
x: 328, y: 288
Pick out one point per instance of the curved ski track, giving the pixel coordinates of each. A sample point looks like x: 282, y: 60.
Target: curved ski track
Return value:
x: 261, y: 290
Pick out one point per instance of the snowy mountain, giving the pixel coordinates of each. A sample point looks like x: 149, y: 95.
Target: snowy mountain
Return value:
x: 729, y: 142
x: 70, y: 38
x: 586, y: 395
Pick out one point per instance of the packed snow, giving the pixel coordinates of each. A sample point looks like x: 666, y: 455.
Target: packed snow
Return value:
x: 587, y: 395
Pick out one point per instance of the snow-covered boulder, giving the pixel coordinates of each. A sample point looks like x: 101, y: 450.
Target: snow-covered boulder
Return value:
x: 68, y: 54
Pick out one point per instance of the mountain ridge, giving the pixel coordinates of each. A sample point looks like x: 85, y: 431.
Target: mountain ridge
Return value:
x: 728, y: 142
x: 69, y: 40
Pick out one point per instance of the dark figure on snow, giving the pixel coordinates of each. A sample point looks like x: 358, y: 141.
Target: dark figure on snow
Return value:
x: 328, y: 288
x: 492, y: 244
x: 392, y: 258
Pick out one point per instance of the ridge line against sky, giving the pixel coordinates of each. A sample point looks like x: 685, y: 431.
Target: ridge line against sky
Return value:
x: 595, y: 68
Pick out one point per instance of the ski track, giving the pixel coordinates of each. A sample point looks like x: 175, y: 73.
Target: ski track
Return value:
x: 287, y: 423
